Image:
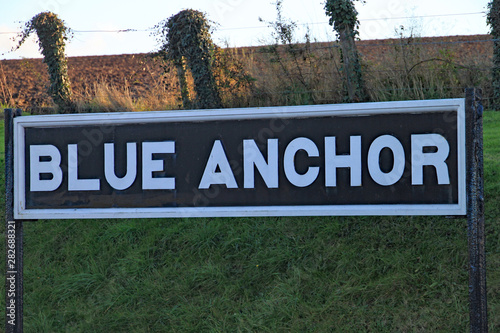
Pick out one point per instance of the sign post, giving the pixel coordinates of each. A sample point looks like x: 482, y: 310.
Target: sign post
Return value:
x: 389, y: 158
x: 475, y: 212
x: 13, y: 237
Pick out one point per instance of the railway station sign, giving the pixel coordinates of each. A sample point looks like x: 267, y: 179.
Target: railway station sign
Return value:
x: 391, y: 158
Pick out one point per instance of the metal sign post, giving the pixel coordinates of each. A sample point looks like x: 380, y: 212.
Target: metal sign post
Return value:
x: 475, y: 212
x: 13, y: 237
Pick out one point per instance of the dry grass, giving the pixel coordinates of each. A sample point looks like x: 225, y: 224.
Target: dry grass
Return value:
x: 6, y: 96
x: 160, y: 93
x: 104, y: 97
x: 304, y: 74
x: 404, y: 70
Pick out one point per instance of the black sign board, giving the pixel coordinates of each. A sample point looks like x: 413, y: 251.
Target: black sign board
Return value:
x: 394, y: 158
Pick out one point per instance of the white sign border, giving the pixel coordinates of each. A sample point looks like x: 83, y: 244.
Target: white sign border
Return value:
x: 359, y: 109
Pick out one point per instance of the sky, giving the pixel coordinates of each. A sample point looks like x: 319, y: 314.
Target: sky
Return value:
x: 98, y: 24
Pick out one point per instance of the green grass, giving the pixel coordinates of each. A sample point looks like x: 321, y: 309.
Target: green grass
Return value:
x: 314, y: 274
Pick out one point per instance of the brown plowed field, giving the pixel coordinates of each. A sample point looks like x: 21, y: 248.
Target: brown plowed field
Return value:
x: 23, y: 82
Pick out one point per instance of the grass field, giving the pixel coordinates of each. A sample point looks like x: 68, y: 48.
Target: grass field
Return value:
x: 304, y: 274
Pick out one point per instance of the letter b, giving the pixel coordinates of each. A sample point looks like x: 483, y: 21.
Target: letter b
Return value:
x: 38, y: 167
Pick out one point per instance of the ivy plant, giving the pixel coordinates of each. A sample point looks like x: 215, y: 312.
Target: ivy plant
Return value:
x: 52, y: 36
x: 344, y: 19
x: 186, y: 40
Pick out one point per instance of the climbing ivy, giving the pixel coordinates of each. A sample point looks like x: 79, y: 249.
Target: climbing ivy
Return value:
x: 186, y: 39
x: 344, y: 19
x: 493, y: 20
x: 342, y: 15
x: 52, y: 35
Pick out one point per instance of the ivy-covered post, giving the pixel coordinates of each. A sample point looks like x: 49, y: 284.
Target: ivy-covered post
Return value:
x: 52, y: 35
x: 493, y: 20
x: 180, y: 65
x: 187, y: 36
x: 343, y: 18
